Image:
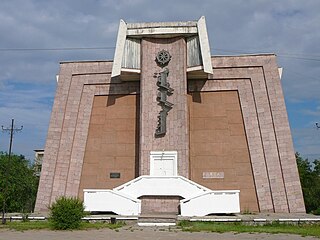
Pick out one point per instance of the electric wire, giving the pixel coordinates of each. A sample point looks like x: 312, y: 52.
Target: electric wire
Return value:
x: 54, y: 49
x: 298, y: 56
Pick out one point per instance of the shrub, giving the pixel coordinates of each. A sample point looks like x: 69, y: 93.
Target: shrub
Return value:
x: 66, y: 213
x: 317, y: 211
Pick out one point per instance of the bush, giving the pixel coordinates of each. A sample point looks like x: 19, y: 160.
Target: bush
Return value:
x: 66, y: 213
x: 317, y: 211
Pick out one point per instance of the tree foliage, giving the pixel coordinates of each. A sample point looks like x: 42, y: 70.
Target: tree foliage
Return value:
x: 18, y: 183
x: 310, y: 183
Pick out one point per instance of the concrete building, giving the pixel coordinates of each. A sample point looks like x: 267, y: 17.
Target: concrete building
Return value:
x: 38, y: 159
x: 167, y: 127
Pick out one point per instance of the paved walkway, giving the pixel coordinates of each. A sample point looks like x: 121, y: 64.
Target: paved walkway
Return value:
x: 137, y: 233
x: 156, y: 233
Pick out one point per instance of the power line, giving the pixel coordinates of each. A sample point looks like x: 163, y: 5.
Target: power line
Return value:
x: 298, y: 56
x: 255, y: 51
x: 283, y: 55
x: 302, y: 75
x: 54, y: 49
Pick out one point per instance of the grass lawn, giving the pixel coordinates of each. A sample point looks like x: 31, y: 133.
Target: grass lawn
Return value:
x: 37, y: 225
x: 301, y: 229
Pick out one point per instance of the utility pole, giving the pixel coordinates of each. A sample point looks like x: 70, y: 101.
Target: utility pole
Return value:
x: 11, y: 130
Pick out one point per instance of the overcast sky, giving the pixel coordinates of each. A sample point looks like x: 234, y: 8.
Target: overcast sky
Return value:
x: 289, y: 28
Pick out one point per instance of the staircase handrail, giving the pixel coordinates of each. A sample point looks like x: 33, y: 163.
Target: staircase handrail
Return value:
x: 121, y: 194
x: 159, y: 177
x: 209, y: 192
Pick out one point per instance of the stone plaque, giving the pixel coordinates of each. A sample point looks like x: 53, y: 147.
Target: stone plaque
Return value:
x: 114, y: 175
x: 213, y: 175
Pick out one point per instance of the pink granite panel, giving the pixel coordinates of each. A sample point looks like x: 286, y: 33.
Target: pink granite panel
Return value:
x: 283, y: 138
x: 266, y: 130
x: 251, y: 123
x: 53, y: 140
x: 176, y: 138
x: 67, y: 132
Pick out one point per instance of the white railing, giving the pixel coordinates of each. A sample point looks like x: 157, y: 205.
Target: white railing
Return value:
x: 97, y: 200
x: 211, y: 202
x: 162, y: 186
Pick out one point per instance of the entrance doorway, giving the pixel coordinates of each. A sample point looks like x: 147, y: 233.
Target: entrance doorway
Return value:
x: 163, y: 163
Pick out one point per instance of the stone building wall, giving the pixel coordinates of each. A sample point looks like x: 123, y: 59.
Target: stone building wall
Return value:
x: 67, y: 135
x: 111, y: 154
x: 219, y: 155
x: 265, y: 124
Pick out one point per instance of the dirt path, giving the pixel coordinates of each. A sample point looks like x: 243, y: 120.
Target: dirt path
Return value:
x: 138, y: 234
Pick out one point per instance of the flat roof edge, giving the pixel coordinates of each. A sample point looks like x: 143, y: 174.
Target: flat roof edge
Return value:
x: 161, y: 24
x: 246, y: 55
x: 84, y: 61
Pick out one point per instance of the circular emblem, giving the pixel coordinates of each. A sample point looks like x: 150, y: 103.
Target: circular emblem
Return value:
x: 163, y: 58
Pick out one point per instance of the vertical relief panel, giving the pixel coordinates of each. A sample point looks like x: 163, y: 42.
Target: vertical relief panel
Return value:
x: 131, y: 56
x: 175, y: 136
x: 194, y: 57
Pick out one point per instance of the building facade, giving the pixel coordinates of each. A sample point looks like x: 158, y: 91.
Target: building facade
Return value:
x: 165, y: 107
x: 38, y: 158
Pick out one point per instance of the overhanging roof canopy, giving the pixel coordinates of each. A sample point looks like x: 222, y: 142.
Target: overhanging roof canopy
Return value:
x: 127, y: 53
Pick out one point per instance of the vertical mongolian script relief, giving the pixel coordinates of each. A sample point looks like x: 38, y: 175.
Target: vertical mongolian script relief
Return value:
x: 164, y: 90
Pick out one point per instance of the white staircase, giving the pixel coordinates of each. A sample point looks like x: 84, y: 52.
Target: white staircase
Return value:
x: 197, y: 200
x: 211, y: 202
x: 99, y: 200
x: 162, y: 186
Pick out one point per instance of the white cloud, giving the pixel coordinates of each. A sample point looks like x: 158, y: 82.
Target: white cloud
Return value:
x: 285, y: 27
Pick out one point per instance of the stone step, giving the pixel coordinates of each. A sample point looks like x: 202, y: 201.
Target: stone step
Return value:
x: 156, y: 224
x: 157, y: 220
x: 158, y: 216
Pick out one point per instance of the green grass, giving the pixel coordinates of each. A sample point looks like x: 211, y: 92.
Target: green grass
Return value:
x: 38, y: 225
x: 28, y: 225
x: 301, y: 229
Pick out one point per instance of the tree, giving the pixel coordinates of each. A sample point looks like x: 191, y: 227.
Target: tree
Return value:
x: 310, y: 183
x: 18, y: 183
